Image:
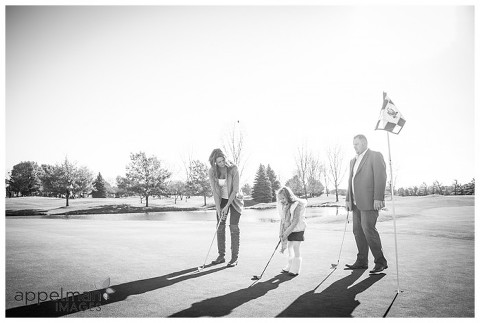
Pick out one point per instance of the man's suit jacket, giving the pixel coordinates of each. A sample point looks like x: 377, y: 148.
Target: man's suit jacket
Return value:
x: 370, y: 180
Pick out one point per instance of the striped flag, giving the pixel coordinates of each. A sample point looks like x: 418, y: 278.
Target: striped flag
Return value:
x: 390, y: 118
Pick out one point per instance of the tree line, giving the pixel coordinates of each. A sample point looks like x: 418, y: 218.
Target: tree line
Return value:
x: 436, y: 187
x: 310, y: 178
x: 145, y: 177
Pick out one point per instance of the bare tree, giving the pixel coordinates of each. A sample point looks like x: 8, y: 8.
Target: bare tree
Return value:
x: 313, y: 168
x: 314, y: 175
x: 336, y: 167
x: 187, y: 163
x: 233, y: 147
x: 455, y: 186
x: 302, y: 161
x: 438, y: 187
x: 177, y: 189
x: 309, y: 172
x: 325, y: 176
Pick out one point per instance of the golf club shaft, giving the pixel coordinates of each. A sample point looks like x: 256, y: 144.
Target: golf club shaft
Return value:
x: 345, y: 230
x: 270, y: 259
x: 211, y: 244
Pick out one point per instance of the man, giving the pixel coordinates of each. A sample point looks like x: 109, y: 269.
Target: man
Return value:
x: 365, y: 197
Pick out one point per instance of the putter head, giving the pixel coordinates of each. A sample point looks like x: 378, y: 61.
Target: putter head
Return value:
x: 334, y: 266
x: 255, y: 277
x: 200, y: 268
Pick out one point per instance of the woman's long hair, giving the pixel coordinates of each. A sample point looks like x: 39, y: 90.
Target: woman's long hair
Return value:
x: 213, y: 158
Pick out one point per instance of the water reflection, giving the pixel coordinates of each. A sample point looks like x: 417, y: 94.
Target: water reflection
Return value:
x: 249, y: 215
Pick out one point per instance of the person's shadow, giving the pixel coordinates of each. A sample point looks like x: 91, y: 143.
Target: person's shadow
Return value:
x: 225, y: 304
x: 337, y: 300
x: 92, y: 300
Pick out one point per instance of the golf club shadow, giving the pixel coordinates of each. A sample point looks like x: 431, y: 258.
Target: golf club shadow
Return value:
x: 225, y: 304
x: 331, y: 272
x: 337, y: 300
x: 92, y: 300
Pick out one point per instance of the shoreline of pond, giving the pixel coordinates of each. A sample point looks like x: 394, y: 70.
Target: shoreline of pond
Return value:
x: 126, y: 208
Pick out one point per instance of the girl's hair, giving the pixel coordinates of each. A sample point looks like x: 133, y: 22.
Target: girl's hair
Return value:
x: 213, y: 158
x: 287, y: 192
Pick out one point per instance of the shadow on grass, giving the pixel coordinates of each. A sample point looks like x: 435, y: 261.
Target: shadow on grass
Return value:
x: 337, y: 300
x: 92, y: 300
x: 225, y: 304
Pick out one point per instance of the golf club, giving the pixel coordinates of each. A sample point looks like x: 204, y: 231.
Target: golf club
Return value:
x: 200, y: 268
x: 255, y: 277
x: 334, y: 266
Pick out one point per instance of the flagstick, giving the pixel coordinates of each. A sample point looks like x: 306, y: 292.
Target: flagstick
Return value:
x: 393, y: 210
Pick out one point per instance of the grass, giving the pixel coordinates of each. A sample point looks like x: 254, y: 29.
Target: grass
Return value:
x: 152, y: 265
x: 48, y: 205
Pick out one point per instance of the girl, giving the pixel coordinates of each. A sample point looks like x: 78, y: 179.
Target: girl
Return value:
x: 225, y: 182
x: 292, y: 227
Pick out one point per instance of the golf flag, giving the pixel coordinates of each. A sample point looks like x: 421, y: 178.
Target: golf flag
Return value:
x: 390, y: 118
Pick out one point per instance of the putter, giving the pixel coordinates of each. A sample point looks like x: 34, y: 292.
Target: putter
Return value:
x: 255, y: 277
x: 200, y: 268
x: 334, y: 266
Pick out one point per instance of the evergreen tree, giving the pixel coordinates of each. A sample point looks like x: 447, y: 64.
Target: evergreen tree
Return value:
x: 262, y: 188
x: 274, y: 182
x: 99, y: 187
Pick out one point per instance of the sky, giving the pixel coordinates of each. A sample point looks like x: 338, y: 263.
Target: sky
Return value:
x: 96, y: 83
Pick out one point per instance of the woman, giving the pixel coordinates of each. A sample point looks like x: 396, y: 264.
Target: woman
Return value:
x: 292, y: 227
x: 225, y: 183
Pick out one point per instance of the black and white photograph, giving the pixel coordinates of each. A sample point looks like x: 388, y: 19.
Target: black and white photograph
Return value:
x: 307, y: 159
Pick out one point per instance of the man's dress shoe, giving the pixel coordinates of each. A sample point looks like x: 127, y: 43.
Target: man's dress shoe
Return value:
x: 377, y: 269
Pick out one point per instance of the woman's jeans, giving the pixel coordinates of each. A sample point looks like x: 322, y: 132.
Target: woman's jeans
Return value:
x: 234, y: 231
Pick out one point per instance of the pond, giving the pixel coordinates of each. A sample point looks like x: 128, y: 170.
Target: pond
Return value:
x: 248, y: 215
